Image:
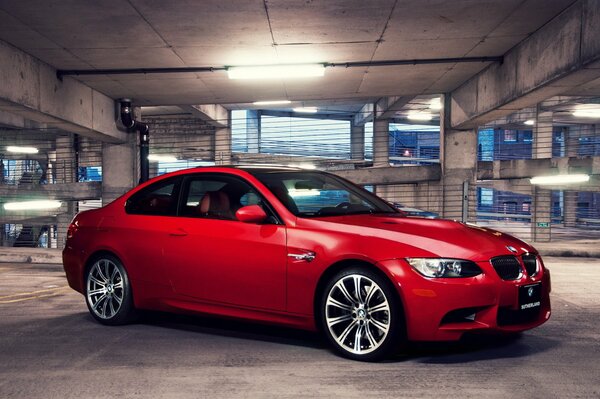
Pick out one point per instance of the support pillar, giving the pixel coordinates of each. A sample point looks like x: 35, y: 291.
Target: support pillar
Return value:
x: 458, y: 158
x: 357, y: 141
x: 570, y: 208
x: 541, y: 199
x: 120, y: 168
x: 381, y: 142
x: 541, y: 220
x: 542, y: 134
x: 572, y: 140
x: 253, y: 131
x: 223, y: 143
x: 66, y: 172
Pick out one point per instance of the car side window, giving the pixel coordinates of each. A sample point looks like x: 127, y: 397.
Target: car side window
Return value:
x: 158, y: 199
x: 217, y: 197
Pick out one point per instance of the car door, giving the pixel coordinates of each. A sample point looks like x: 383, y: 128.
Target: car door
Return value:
x: 142, y: 232
x: 214, y: 257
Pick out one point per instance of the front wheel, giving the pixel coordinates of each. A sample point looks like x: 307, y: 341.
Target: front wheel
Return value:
x: 108, y: 291
x: 361, y: 315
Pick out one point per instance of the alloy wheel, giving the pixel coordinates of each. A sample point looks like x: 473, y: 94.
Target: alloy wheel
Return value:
x: 105, y: 291
x: 357, y: 314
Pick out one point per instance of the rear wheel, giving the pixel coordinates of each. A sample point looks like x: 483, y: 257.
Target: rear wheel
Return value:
x: 108, y: 291
x: 360, y: 315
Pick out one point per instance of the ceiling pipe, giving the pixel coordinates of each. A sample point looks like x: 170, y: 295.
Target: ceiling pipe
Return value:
x: 357, y: 64
x: 128, y: 121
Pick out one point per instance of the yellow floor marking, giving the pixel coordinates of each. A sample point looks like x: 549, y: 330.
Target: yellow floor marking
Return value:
x: 29, y: 298
x: 33, y: 292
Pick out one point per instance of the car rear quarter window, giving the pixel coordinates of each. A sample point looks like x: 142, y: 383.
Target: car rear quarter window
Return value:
x: 158, y: 199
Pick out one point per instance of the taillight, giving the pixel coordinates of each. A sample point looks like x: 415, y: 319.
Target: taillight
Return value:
x: 72, y: 229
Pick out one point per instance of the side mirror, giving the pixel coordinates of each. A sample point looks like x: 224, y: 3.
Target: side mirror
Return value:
x: 251, y: 214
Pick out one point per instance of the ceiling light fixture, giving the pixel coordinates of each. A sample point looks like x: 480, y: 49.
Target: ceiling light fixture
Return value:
x: 587, y: 113
x: 559, y: 179
x: 419, y: 116
x: 529, y: 122
x: 273, y: 102
x: 22, y: 150
x: 162, y: 158
x: 306, y: 110
x: 32, y: 205
x: 276, y: 71
x: 435, y: 104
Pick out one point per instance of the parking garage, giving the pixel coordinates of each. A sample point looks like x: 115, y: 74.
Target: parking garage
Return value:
x: 487, y: 113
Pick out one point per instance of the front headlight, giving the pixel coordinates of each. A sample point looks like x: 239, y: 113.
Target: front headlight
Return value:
x: 436, y: 267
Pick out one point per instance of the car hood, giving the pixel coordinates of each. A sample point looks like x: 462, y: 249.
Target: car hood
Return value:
x: 429, y: 237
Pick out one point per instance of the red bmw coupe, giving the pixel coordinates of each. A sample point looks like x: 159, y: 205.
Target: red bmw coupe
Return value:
x: 304, y: 249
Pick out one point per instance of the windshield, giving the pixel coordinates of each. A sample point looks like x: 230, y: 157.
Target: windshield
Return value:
x: 310, y: 194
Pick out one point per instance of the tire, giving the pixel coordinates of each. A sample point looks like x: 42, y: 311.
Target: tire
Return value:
x: 108, y: 291
x: 372, y: 322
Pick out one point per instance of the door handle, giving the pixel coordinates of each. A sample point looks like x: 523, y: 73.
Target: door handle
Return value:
x: 178, y: 233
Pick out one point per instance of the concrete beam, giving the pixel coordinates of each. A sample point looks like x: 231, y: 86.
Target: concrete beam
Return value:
x: 215, y: 114
x: 525, y: 168
x: 66, y: 191
x: 392, y: 175
x: 365, y: 114
x: 291, y: 114
x: 30, y: 89
x: 561, y: 55
x: 386, y: 107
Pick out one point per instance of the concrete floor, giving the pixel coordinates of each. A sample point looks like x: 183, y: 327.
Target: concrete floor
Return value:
x: 50, y: 347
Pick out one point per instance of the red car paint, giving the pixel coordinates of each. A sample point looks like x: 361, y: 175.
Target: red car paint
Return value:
x: 243, y: 270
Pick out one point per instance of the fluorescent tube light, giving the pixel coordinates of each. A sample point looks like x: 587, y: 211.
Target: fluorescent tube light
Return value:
x: 303, y: 166
x: 559, y: 179
x: 587, y: 113
x: 419, y: 116
x: 303, y: 192
x: 162, y: 158
x: 529, y: 122
x: 276, y: 71
x: 273, y: 102
x: 306, y: 110
x: 32, y: 205
x: 22, y: 150
x: 435, y: 104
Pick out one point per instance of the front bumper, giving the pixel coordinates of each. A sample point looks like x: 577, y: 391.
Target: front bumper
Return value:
x: 444, y: 309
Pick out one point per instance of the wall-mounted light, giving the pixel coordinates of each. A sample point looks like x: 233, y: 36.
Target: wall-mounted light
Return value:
x: 276, y: 71
x: 306, y: 110
x: 529, y: 122
x: 559, y: 179
x: 272, y: 102
x: 419, y: 116
x: 161, y: 158
x: 22, y: 150
x: 32, y: 205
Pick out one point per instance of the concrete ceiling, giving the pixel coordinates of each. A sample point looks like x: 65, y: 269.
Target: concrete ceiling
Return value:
x: 78, y: 34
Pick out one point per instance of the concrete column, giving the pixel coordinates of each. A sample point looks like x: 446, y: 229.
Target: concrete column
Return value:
x: 120, y: 168
x: 459, y: 165
x: 381, y: 142
x: 541, y: 218
x: 458, y: 159
x: 253, y: 130
x: 68, y: 210
x: 572, y: 140
x: 570, y: 208
x: 65, y: 160
x: 542, y: 134
x: 357, y: 141
x: 223, y: 143
x: 540, y: 215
